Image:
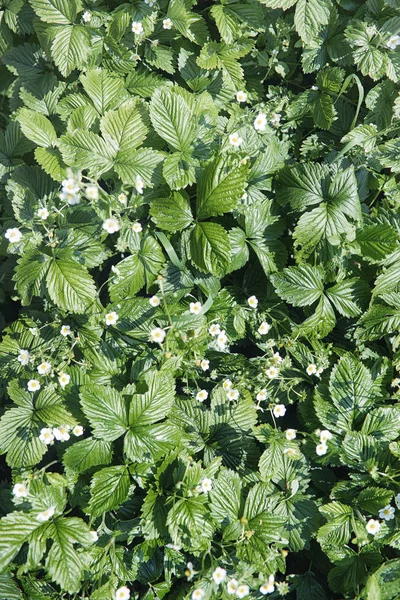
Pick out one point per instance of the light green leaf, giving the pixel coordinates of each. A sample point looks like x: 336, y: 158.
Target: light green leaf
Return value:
x: 70, y: 48
x: 106, y: 410
x: 349, y: 297
x: 60, y: 12
x: 309, y: 17
x: 86, y: 148
x: 88, y: 453
x: 210, y: 248
x: 173, y: 213
x: 109, y: 489
x: 301, y: 286
x: 37, y: 128
x: 69, y: 285
x: 126, y: 126
x: 173, y: 119
x: 155, y: 403
x: 106, y: 90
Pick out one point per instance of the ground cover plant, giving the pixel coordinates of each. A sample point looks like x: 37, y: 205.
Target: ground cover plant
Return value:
x: 200, y: 302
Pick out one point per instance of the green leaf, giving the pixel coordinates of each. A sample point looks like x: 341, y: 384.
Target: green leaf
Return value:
x: 15, y: 529
x: 37, y: 127
x: 377, y: 242
x: 143, y: 162
x: 109, y: 489
x: 301, y: 286
x: 70, y: 48
x: 220, y: 187
x: 106, y: 410
x: 9, y: 589
x: 88, y: 453
x: 155, y: 403
x: 106, y: 90
x: 173, y: 119
x: 173, y: 213
x: 349, y: 297
x: 86, y: 148
x: 226, y: 497
x: 309, y: 17
x: 125, y: 126
x: 210, y: 247
x: 60, y: 12
x: 188, y: 522
x: 179, y: 170
x: 69, y: 285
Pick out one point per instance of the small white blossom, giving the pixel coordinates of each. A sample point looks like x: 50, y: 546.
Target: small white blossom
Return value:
x: 202, y: 395
x: 387, y: 513
x: 214, y: 329
x: 137, y: 227
x: 20, y: 490
x: 206, y: 485
x: 122, y: 593
x: 23, y: 357
x: 252, y: 302
x: 232, y: 394
x: 373, y: 526
x: 64, y: 379
x: 13, y: 235
x: 232, y: 586
x: 268, y: 587
x: 320, y: 370
x: 167, y: 24
x: 92, y: 192
x: 111, y: 318
x: 45, y: 515
x: 219, y: 575
x: 33, y: 385
x: 272, y: 372
x: 242, y: 591
x: 72, y: 199
x: 77, y: 430
x: 325, y: 435
x: 46, y: 436
x: 43, y: 213
x: 122, y: 198
x: 44, y: 368
x: 241, y: 96
x: 314, y: 88
x: 311, y: 369
x: 397, y: 500
x: 94, y: 536
x: 222, y: 339
x: 157, y: 335
x: 115, y: 270
x: 277, y: 358
x: 321, y: 449
x: 290, y: 434
x: 111, y: 225
x: 65, y: 330
x: 62, y: 433
x: 235, y: 140
x: 137, y: 27
x: 139, y: 184
x: 34, y: 331
x: 264, y: 328
x: 279, y: 410
x: 154, y: 301
x: 70, y: 186
x: 276, y: 119
x: 393, y: 42
x: 87, y: 16
x: 195, y: 308
x: 262, y: 394
x: 190, y: 572
x: 198, y: 594
x: 227, y: 384
x: 260, y: 122
x: 205, y: 364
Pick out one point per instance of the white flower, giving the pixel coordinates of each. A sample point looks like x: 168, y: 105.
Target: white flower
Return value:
x: 87, y: 16
x: 272, y: 372
x: 122, y: 198
x: 279, y: 410
x: 198, y: 594
x: 264, y: 328
x: 260, y: 122
x: 44, y: 368
x: 232, y: 394
x: 393, y: 42
x: 46, y: 436
x: 373, y: 526
x: 219, y: 575
x: 214, y: 329
x: 45, y: 515
x: 137, y: 227
x: 290, y: 434
x: 202, y: 395
x: 92, y: 192
x: 94, y: 536
x: 262, y: 394
x: 235, y: 140
x: 65, y: 330
x: 311, y: 369
x: 222, y: 339
x: 276, y: 119
x: 77, y: 430
x: 206, y: 485
x: 13, y: 235
x: 167, y: 24
x: 70, y: 186
x: 137, y: 27
x: 325, y: 436
x: 139, y: 184
x: 268, y: 587
x: 111, y: 225
x: 227, y: 384
x: 157, y: 335
x: 397, y: 500
x: 291, y: 452
x: 320, y: 370
x: 115, y: 270
x: 387, y: 513
x: 64, y: 379
x: 43, y: 213
x: 62, y: 433
x: 23, y: 357
x: 34, y: 331
x: 314, y: 88
x: 72, y: 199
x: 395, y: 382
x: 20, y: 490
x: 195, y: 308
x: 277, y: 358
x: 205, y: 364
x: 242, y: 591
x: 241, y: 96
x: 111, y: 318
x: 321, y: 449
x: 154, y: 301
x: 122, y: 593
x: 33, y: 385
x: 252, y: 302
x: 190, y: 572
x: 232, y: 586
